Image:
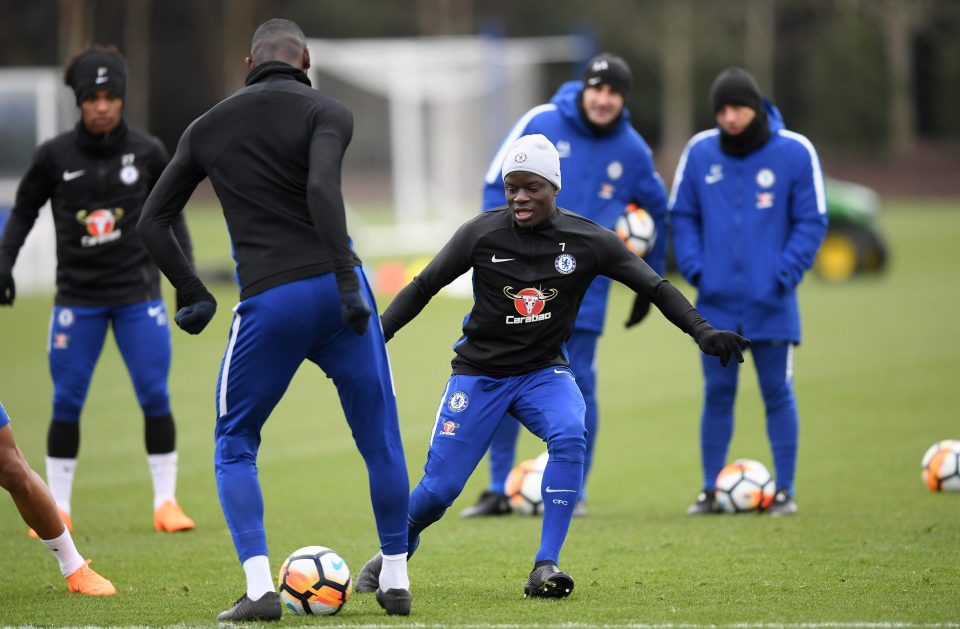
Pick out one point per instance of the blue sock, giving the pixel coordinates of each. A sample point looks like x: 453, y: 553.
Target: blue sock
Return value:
x: 561, y: 485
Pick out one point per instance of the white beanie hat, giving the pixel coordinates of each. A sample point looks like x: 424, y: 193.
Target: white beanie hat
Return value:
x: 533, y: 154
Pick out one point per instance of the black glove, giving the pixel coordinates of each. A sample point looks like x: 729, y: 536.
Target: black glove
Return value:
x: 180, y: 302
x: 641, y: 306
x: 354, y: 311
x: 8, y: 290
x: 723, y: 344
x: 193, y: 318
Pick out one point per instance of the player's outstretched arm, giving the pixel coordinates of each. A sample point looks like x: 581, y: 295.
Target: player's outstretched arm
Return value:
x: 404, y: 308
x: 620, y: 264
x: 451, y: 262
x: 721, y: 343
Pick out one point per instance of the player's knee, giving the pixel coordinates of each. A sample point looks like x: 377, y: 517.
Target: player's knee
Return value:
x: 230, y: 451
x: 14, y: 472
x: 155, y: 402
x: 720, y: 392
x: 776, y: 394
x: 443, y: 491
x: 570, y: 447
x: 66, y: 408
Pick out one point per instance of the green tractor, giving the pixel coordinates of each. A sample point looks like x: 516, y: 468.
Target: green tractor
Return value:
x: 853, y: 243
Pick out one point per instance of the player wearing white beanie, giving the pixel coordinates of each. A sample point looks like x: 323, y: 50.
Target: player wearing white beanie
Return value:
x: 534, y: 154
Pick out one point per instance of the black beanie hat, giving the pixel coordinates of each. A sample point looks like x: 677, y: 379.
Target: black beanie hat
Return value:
x: 96, y: 70
x: 608, y: 69
x: 735, y: 86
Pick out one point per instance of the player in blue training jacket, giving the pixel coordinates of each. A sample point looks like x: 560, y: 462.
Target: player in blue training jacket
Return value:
x: 532, y: 264
x: 748, y: 214
x: 608, y: 166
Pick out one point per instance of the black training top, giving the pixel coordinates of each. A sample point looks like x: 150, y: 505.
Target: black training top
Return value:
x: 273, y: 152
x: 97, y: 186
x: 528, y: 284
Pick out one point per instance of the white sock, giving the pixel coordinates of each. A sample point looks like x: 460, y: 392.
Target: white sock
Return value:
x: 60, y: 479
x: 259, y: 578
x: 163, y: 470
x: 393, y: 573
x: 66, y: 553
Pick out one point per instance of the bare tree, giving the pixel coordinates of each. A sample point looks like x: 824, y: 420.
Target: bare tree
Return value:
x: 758, y: 41
x: 676, y: 59
x: 76, y: 26
x: 239, y: 22
x: 445, y: 17
x: 137, y: 27
x: 898, y: 21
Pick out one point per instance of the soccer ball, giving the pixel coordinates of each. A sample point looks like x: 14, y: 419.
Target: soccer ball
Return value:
x: 744, y: 486
x: 523, y: 486
x: 636, y: 229
x: 941, y: 466
x: 314, y: 580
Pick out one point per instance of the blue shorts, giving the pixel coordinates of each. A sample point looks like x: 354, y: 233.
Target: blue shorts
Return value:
x: 4, y: 418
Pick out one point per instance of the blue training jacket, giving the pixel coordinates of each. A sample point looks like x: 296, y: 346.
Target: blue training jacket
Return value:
x: 746, y: 229
x: 601, y: 175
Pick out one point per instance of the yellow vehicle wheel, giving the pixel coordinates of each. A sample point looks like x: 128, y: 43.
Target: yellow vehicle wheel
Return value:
x: 838, y: 257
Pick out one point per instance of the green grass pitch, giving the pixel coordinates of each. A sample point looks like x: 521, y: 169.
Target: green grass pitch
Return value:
x: 877, y: 383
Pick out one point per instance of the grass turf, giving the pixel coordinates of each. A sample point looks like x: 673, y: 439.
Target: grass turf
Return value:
x: 876, y: 380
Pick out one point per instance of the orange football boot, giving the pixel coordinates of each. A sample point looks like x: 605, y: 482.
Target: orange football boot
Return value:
x: 86, y: 581
x: 63, y: 516
x: 170, y: 518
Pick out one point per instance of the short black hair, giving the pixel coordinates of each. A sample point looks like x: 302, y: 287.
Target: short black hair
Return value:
x: 277, y: 39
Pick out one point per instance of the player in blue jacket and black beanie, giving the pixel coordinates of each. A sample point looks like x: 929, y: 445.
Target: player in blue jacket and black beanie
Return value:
x: 608, y: 166
x: 748, y: 214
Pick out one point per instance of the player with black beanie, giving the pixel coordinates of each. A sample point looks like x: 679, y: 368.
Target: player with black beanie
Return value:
x: 97, y: 177
x: 735, y: 86
x: 748, y: 214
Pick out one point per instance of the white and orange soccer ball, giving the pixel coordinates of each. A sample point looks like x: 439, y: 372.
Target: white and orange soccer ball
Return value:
x: 744, y: 486
x: 941, y: 466
x: 523, y: 486
x: 636, y: 229
x: 314, y: 580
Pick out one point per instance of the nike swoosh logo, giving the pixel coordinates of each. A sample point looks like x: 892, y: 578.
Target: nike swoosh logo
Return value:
x: 337, y: 564
x: 562, y: 371
x: 495, y: 259
x: 69, y: 175
x: 550, y: 490
x: 101, y: 79
x: 713, y: 178
x: 154, y: 311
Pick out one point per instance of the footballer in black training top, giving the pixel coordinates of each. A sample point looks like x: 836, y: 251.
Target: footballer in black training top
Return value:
x: 532, y: 264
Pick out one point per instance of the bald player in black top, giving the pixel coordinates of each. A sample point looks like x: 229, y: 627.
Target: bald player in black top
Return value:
x: 273, y: 152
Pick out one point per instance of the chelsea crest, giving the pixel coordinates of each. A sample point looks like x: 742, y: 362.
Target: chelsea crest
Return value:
x: 565, y: 263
